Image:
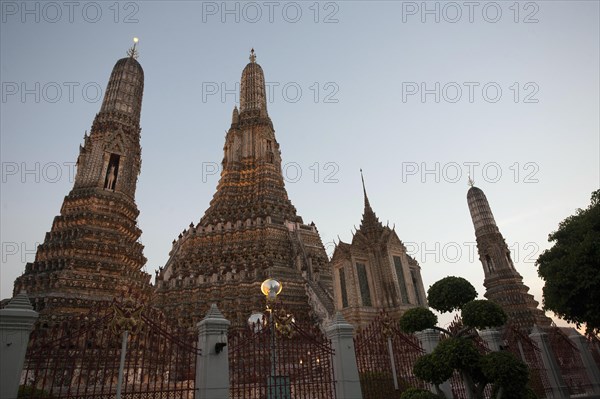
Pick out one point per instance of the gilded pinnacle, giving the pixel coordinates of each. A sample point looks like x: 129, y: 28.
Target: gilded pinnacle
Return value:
x: 132, y: 52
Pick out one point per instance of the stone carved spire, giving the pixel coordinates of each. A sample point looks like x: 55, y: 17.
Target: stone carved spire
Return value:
x: 252, y: 88
x: 235, y: 116
x: 251, y: 183
x: 481, y: 213
x: 125, y: 88
x: 249, y: 232
x: 370, y: 222
x: 504, y: 285
x: 110, y: 158
x: 92, y: 252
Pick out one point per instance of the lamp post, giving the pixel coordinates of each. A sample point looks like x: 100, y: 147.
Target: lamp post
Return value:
x: 127, y: 320
x: 271, y: 288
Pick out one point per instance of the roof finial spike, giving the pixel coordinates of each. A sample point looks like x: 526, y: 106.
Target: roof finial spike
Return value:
x: 471, y: 182
x: 132, y: 52
x: 363, y: 180
x: 369, y: 219
x: 364, y: 189
x: 252, y: 56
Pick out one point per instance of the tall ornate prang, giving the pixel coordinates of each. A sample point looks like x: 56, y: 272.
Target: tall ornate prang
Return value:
x: 92, y: 252
x: 504, y: 285
x: 251, y: 183
x: 374, y: 272
x: 249, y: 232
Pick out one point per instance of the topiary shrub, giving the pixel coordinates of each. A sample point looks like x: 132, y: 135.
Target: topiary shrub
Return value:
x: 483, y: 314
x: 417, y: 319
x: 457, y: 352
x: 450, y: 293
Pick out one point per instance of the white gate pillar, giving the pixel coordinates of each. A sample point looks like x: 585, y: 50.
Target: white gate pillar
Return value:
x: 347, y: 381
x: 492, y: 338
x: 16, y: 321
x: 212, y: 364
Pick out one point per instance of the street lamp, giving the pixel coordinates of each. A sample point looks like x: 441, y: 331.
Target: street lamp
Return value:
x: 270, y: 289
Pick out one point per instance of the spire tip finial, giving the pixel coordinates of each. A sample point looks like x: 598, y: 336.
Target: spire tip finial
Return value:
x: 366, y: 198
x: 471, y: 182
x: 132, y: 52
x: 363, y: 182
x: 252, y: 55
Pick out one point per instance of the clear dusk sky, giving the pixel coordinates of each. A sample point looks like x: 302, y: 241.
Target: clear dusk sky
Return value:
x: 417, y: 94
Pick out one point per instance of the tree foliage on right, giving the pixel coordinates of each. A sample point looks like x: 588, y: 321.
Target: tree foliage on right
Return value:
x: 571, y: 268
x: 507, y: 375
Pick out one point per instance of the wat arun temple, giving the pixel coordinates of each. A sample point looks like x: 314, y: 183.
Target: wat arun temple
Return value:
x: 250, y: 232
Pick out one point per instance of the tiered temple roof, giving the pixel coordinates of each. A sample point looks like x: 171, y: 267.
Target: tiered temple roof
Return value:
x: 374, y: 272
x: 250, y: 231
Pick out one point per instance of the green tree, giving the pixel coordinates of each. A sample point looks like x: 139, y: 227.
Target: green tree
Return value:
x: 450, y: 293
x: 571, y: 268
x: 457, y: 351
x: 508, y: 374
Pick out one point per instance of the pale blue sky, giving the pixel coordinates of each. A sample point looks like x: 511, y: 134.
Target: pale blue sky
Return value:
x: 363, y: 115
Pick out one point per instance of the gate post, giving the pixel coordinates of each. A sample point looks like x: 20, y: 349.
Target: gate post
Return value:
x: 347, y: 382
x: 492, y: 338
x: 16, y: 321
x: 588, y: 361
x: 212, y: 363
x: 557, y: 387
x: 429, y: 340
